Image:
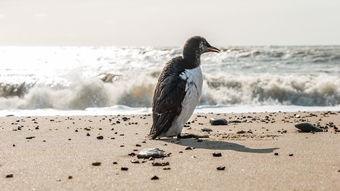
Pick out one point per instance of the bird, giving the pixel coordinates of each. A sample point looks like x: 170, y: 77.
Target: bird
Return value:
x: 178, y: 89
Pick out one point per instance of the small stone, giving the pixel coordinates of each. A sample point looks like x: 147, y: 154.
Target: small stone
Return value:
x: 241, y: 132
x: 100, y: 137
x: 154, y: 178
x: 217, y: 154
x: 206, y: 130
x: 307, y: 127
x: 132, y: 154
x: 214, y: 121
x: 96, y: 163
x: 188, y: 148
x: 88, y: 134
x: 114, y: 162
x: 220, y: 168
x: 124, y: 168
x: 166, y: 168
x: 69, y: 177
x: 160, y: 164
x: 138, y: 145
x: 31, y: 137
x: 135, y: 161
x: 276, y: 154
x: 9, y: 176
x: 291, y: 155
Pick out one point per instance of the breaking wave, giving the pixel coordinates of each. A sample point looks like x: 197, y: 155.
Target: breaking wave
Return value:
x: 71, y: 78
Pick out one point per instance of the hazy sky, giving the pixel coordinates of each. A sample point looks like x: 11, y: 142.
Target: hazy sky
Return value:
x: 169, y: 23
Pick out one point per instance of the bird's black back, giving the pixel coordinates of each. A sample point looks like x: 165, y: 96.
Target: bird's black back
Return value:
x: 168, y: 96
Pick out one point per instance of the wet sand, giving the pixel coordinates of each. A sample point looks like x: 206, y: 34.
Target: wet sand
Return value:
x: 255, y: 151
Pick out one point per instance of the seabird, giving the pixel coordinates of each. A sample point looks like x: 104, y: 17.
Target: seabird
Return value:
x: 179, y: 89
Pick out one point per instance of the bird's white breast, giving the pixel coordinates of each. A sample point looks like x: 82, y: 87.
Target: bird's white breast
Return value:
x: 193, y: 91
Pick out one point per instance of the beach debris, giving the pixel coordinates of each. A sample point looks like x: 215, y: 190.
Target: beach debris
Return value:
x: 217, y: 154
x: 219, y: 121
x: 9, y: 176
x: 160, y: 164
x: 154, y: 178
x: 206, y: 130
x: 96, y: 163
x: 220, y: 168
x: 124, y: 168
x: 307, y: 127
x: 135, y: 161
x: 241, y: 132
x: 151, y: 152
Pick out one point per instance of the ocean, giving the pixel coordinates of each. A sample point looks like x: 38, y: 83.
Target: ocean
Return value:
x: 120, y: 80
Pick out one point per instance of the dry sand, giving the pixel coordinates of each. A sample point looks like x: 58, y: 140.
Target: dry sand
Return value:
x: 56, y: 153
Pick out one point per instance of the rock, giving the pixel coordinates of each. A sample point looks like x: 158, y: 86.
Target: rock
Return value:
x: 160, y: 164
x: 220, y: 168
x: 241, y: 132
x: 100, y: 137
x: 9, y: 176
x: 154, y: 178
x: 220, y: 121
x: 206, y: 130
x: 135, y: 161
x: 291, y: 155
x: 96, y: 163
x: 217, y: 154
x: 124, y: 168
x: 307, y: 127
x: 151, y: 152
x: 276, y: 154
x: 31, y: 137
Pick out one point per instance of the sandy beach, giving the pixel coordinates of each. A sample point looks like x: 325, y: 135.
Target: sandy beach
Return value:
x: 254, y: 151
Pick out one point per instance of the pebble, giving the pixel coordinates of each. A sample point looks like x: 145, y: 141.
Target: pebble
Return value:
x: 241, y: 132
x: 70, y: 177
x: 307, y: 127
x: 160, y: 164
x: 206, y: 130
x: 220, y: 121
x: 154, y: 178
x: 291, y: 155
x: 31, y: 137
x: 276, y: 154
x: 100, y: 137
x: 135, y: 161
x: 9, y: 176
x: 217, y: 154
x: 96, y: 163
x: 168, y: 168
x: 220, y: 168
x: 124, y: 168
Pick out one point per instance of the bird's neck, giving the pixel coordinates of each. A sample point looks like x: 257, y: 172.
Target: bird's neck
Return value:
x: 192, y: 59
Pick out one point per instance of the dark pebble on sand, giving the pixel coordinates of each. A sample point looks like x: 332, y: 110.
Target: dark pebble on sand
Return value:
x: 160, y: 164
x: 88, y: 134
x: 220, y: 168
x: 124, y: 168
x: 31, y: 137
x: 217, y: 154
x: 188, y: 148
x: 132, y: 154
x: 276, y: 154
x: 307, y: 127
x: 70, y: 177
x: 166, y: 168
x: 241, y: 132
x: 214, y: 121
x: 206, y: 130
x: 100, y: 137
x: 114, y: 162
x: 9, y: 176
x: 291, y: 155
x: 154, y: 178
x: 96, y: 163
x: 135, y: 161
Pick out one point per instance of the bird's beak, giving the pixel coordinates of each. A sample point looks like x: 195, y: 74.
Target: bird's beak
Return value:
x: 212, y: 49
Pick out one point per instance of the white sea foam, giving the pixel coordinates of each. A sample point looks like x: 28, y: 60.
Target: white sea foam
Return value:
x: 77, y: 78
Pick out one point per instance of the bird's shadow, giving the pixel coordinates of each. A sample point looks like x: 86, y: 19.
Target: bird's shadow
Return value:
x: 218, y: 145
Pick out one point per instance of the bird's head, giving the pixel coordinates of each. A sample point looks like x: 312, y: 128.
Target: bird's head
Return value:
x: 195, y: 46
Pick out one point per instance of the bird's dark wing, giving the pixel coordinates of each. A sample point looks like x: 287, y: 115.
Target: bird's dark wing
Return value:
x: 168, y: 97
